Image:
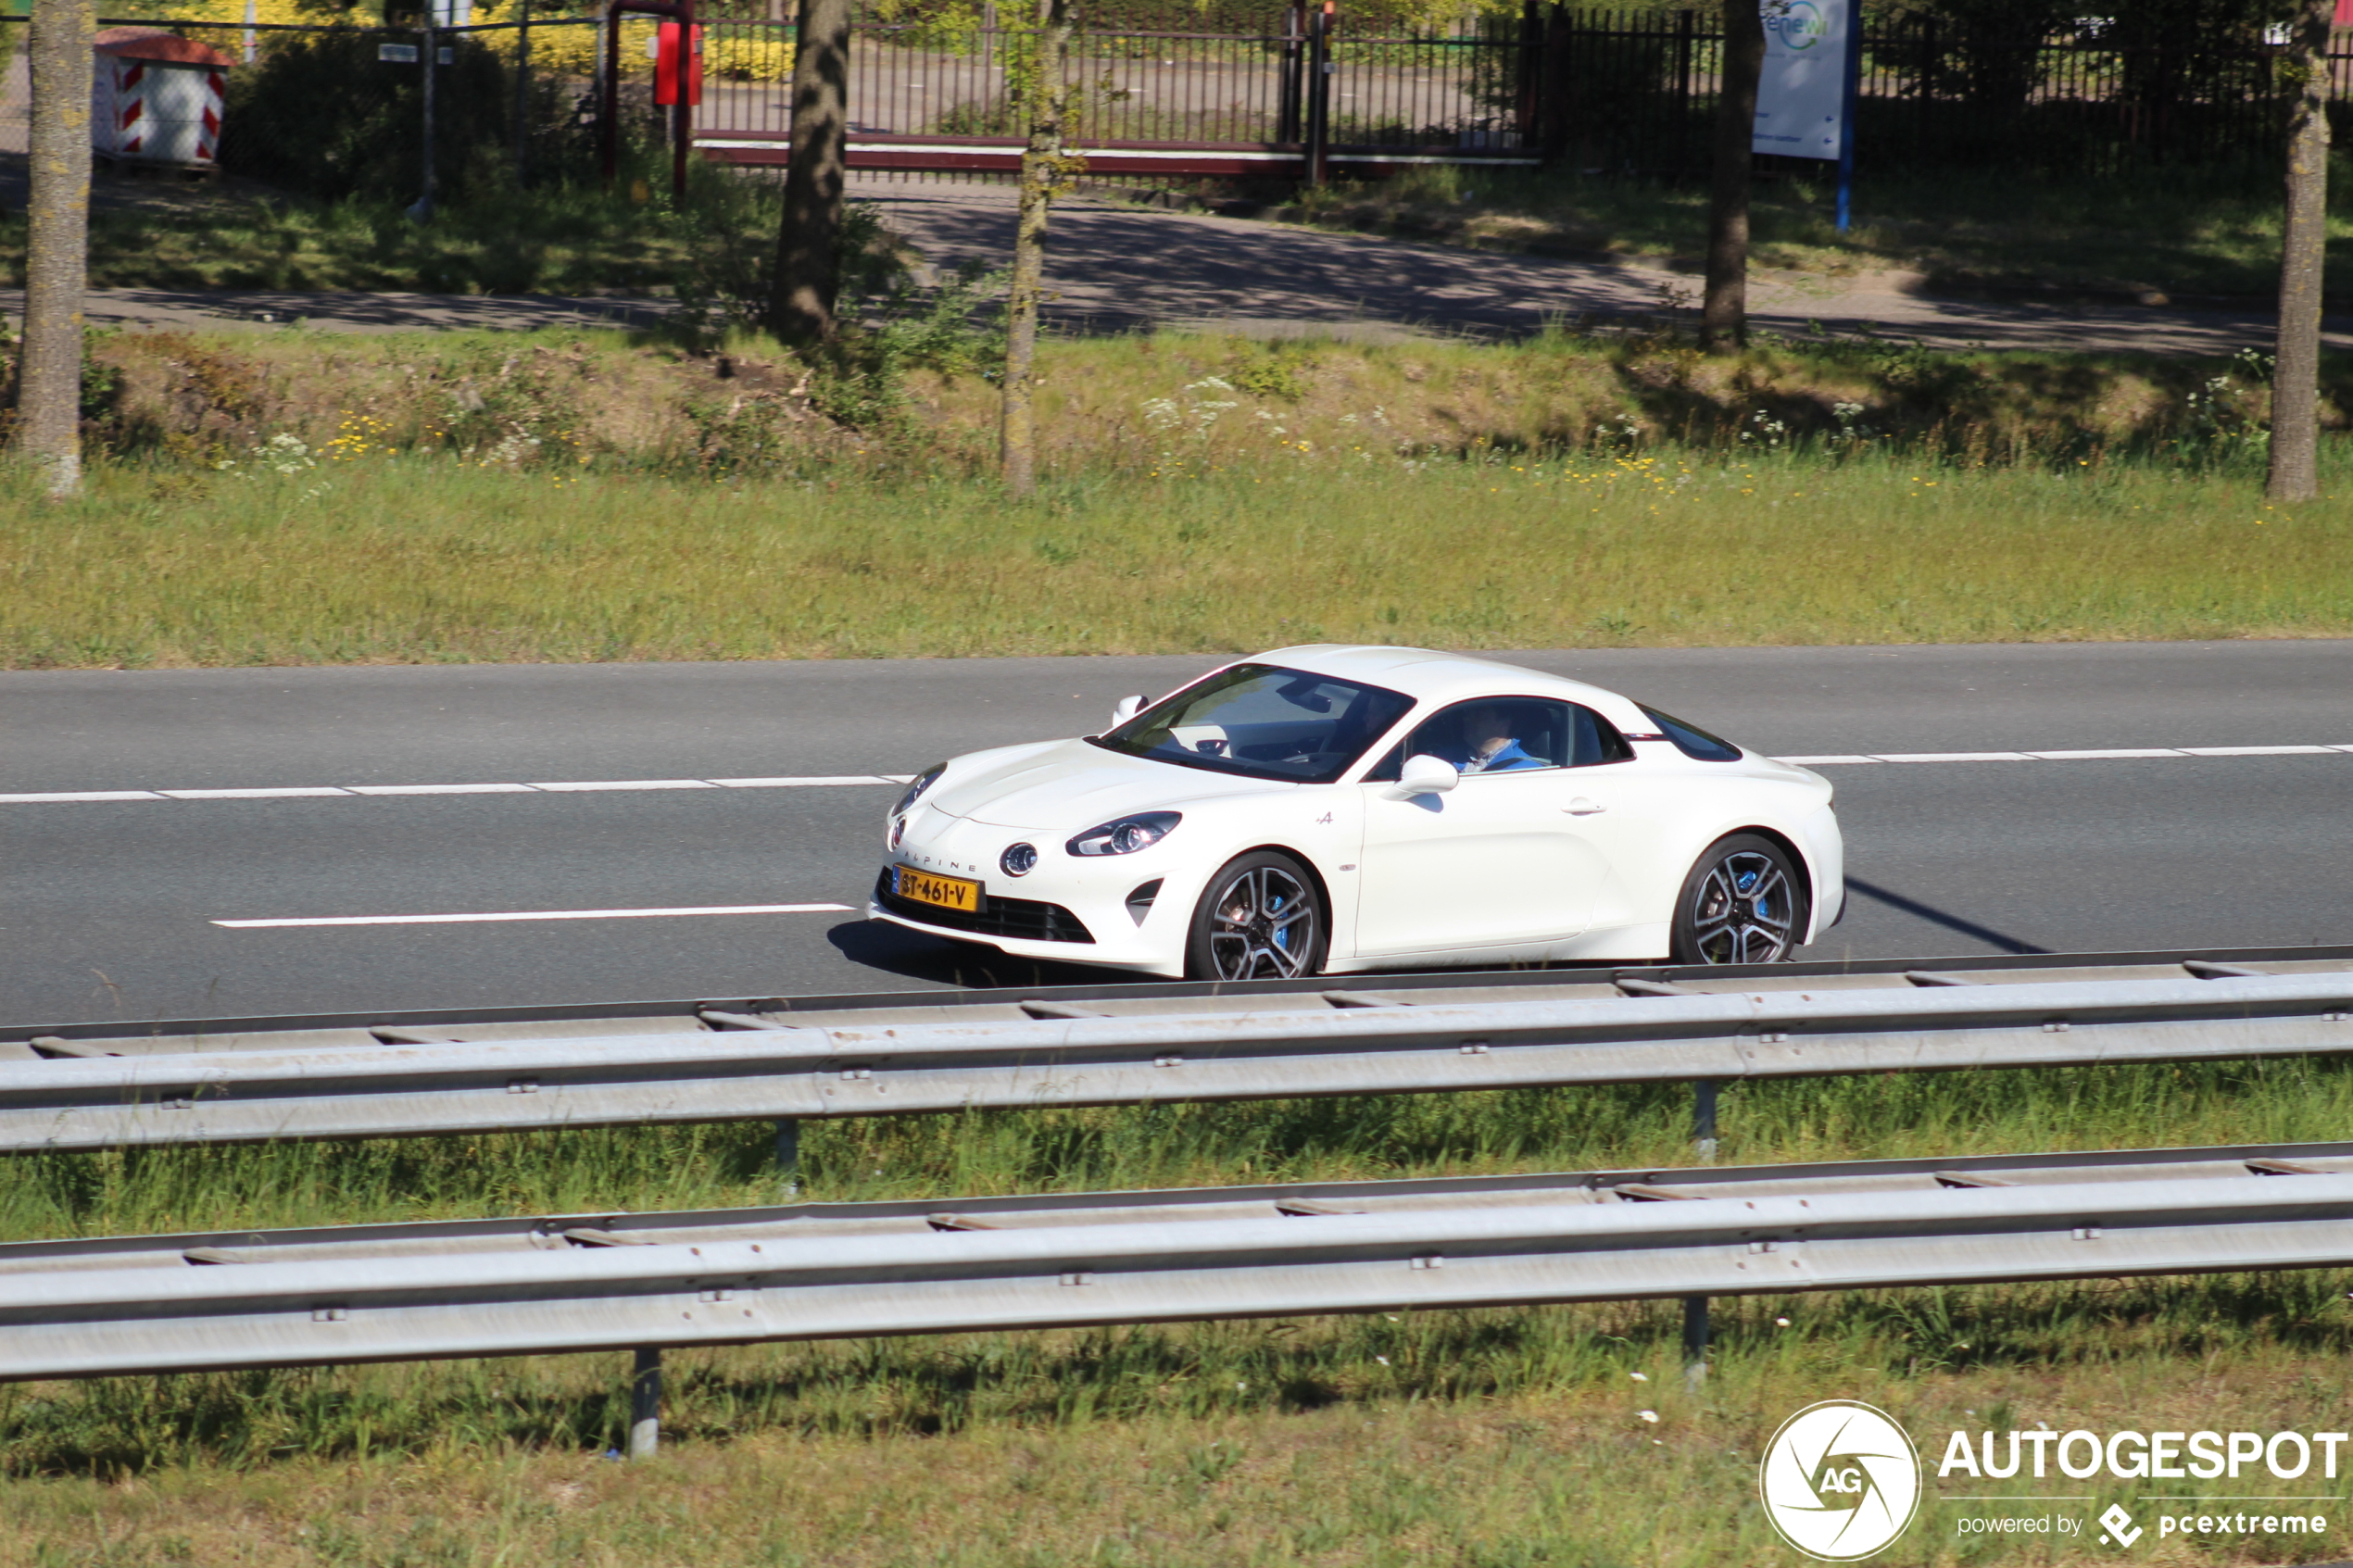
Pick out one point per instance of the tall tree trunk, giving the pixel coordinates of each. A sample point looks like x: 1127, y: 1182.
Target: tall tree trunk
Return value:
x: 801, y: 307
x: 2295, y: 378
x: 1043, y: 169
x: 1723, y: 321
x: 57, y: 259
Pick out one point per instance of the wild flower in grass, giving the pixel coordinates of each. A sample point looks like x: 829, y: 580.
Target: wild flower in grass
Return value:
x: 283, y: 453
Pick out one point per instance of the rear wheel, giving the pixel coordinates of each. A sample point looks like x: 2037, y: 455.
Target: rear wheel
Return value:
x: 1261, y: 918
x: 1745, y: 902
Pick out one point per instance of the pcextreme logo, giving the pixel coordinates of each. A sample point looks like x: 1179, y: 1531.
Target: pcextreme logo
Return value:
x: 1840, y: 1480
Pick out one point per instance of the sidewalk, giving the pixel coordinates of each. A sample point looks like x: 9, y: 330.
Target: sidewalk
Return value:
x: 1118, y: 268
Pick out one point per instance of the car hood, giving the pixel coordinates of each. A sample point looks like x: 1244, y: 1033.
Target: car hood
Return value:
x: 1070, y: 785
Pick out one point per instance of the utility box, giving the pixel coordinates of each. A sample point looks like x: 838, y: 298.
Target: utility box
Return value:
x: 156, y: 98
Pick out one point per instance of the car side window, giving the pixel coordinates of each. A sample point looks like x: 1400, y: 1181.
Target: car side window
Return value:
x: 1515, y: 734
x: 1596, y: 739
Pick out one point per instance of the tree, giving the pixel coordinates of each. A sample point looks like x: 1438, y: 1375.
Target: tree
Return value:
x: 1045, y: 90
x: 1723, y: 320
x: 2295, y: 377
x: 800, y: 305
x: 57, y: 257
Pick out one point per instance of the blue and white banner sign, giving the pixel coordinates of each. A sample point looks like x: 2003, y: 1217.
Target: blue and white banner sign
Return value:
x: 1801, y: 101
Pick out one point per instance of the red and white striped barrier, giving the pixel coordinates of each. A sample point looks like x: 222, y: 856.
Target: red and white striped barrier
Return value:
x: 156, y: 97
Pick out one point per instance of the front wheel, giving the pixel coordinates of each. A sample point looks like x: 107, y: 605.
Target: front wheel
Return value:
x: 1261, y: 918
x: 1744, y: 903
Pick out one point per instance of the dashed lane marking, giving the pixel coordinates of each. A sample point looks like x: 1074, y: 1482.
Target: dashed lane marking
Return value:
x: 540, y: 914
x: 575, y: 786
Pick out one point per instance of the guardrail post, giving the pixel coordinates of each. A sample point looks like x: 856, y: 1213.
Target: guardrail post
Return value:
x: 1703, y: 1117
x: 1695, y: 1341
x: 645, y: 1404
x: 788, y: 1150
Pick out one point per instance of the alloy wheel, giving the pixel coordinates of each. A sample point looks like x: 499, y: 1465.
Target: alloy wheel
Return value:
x: 1744, y: 911
x: 1262, y: 926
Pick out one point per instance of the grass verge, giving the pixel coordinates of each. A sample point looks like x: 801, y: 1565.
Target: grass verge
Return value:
x: 1488, y: 1439
x: 412, y: 561
x: 295, y: 498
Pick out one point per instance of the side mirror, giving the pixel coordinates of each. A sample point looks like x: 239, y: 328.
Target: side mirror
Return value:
x: 1126, y: 707
x: 1424, y: 775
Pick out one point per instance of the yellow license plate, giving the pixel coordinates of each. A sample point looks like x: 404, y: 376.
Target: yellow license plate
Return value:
x: 947, y: 892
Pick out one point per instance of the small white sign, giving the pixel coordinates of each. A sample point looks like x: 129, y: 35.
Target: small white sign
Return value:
x: 397, y: 54
x: 1801, y: 99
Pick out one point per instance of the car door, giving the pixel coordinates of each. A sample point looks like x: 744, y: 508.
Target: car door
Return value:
x: 1498, y: 861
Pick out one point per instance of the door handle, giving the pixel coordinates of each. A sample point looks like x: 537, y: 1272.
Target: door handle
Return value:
x: 1580, y: 806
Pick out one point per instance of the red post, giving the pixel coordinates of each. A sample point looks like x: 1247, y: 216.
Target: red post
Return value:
x: 682, y: 111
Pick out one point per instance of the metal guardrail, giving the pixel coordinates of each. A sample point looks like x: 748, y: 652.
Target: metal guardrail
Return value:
x: 747, y: 1066
x: 550, y: 1019
x: 506, y: 1287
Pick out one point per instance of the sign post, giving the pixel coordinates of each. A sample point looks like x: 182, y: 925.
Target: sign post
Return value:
x: 1805, y: 98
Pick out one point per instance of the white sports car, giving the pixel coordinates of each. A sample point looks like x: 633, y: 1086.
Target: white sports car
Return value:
x: 1335, y: 809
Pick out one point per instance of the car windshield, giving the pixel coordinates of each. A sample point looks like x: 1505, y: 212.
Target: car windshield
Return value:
x: 1264, y: 721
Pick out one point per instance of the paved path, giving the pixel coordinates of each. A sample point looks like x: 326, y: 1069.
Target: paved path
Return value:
x: 107, y: 907
x: 1119, y: 267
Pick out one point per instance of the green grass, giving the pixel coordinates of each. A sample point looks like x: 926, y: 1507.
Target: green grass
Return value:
x: 1471, y: 1439
x: 2178, y: 232
x: 554, y: 239
x: 431, y: 558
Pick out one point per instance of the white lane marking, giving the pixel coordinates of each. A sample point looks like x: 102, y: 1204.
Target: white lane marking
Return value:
x: 443, y: 789
x: 827, y: 781
x: 542, y: 914
x: 2257, y: 750
x: 575, y: 786
x: 85, y: 794
x: 815, y: 782
x: 1955, y: 757
x: 2116, y: 755
x: 2113, y: 755
x: 248, y: 794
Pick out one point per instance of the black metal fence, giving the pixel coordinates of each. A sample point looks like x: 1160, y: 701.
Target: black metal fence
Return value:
x: 1628, y: 92
x: 1182, y: 88
x: 335, y: 109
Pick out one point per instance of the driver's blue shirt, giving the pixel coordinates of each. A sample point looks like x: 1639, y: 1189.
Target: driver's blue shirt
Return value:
x: 1503, y: 759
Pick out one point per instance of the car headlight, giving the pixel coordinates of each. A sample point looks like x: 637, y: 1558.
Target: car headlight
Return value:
x: 1125, y: 835
x: 916, y: 786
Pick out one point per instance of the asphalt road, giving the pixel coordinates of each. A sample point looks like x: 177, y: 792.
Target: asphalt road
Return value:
x: 107, y: 907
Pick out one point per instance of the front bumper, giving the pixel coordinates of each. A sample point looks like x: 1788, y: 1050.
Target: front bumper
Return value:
x: 1069, y: 911
x: 1026, y: 919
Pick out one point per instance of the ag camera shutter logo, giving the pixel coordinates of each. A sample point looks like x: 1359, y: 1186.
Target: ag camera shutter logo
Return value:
x: 1840, y: 1481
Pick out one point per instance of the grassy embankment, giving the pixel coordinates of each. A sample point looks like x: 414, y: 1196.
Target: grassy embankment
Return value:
x: 295, y: 497
x: 1493, y: 1438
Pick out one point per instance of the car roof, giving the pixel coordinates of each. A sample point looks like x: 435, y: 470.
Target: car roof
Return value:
x: 1429, y: 675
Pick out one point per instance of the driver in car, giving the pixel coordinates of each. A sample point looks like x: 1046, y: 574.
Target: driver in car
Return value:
x: 1488, y: 745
